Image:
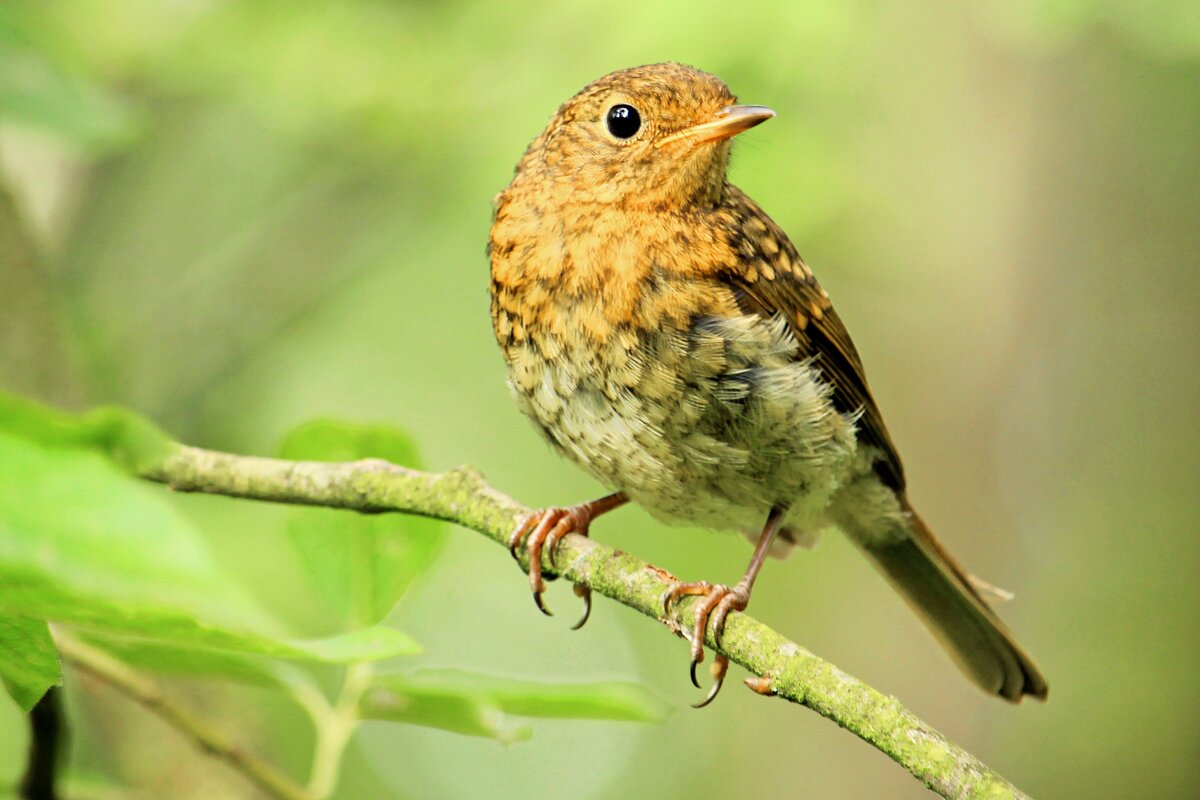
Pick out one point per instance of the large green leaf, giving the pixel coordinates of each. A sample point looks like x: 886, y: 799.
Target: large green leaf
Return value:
x: 361, y: 564
x: 83, y: 543
x: 173, y: 659
x: 482, y: 705
x: 28, y: 661
x: 71, y: 515
x: 24, y: 592
x: 128, y: 439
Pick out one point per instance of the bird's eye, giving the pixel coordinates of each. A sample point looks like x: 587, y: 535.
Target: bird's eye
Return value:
x: 623, y: 121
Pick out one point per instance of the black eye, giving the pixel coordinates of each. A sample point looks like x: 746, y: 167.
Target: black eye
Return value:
x: 623, y: 121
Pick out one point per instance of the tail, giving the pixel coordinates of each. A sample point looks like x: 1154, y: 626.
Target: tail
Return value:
x: 945, y: 597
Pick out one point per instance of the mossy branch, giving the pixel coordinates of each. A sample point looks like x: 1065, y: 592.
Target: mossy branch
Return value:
x: 463, y: 497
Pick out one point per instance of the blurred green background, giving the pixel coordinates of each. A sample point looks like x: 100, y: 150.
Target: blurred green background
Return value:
x: 236, y: 216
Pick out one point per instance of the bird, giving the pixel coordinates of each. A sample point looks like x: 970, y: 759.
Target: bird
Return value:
x: 663, y: 333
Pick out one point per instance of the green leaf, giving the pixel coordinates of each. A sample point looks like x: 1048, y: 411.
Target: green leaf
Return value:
x: 361, y: 564
x: 72, y: 516
x: 174, y: 659
x: 83, y: 543
x: 28, y: 660
x: 444, y: 708
x: 24, y: 592
x: 120, y: 434
x: 479, y: 705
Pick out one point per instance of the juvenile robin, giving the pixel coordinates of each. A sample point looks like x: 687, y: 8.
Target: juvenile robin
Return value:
x: 663, y: 333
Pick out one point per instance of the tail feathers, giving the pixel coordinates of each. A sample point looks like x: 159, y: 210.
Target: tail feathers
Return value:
x: 944, y: 596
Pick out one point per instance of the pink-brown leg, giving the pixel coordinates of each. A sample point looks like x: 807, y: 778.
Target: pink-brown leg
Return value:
x: 718, y: 601
x: 545, y: 529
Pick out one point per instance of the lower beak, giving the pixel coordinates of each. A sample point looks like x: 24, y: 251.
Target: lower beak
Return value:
x: 728, y: 122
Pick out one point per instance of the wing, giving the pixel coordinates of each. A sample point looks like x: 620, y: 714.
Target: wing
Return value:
x: 770, y: 278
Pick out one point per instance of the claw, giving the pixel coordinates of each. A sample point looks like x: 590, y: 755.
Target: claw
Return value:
x: 546, y: 528
x: 585, y: 594
x: 550, y: 518
x: 692, y: 671
x: 718, y: 600
x: 719, y: 668
x: 537, y: 598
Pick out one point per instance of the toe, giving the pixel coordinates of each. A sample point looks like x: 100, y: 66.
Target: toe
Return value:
x: 719, y: 668
x: 585, y: 594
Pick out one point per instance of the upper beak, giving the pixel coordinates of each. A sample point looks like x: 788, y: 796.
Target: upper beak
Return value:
x: 729, y: 121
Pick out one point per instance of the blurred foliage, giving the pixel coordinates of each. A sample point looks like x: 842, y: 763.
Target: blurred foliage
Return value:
x: 360, y: 564
x: 44, y: 84
x: 28, y: 660
x: 476, y: 705
x: 88, y: 547
x: 237, y: 216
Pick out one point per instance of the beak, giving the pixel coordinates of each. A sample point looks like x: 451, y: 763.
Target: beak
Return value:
x: 729, y: 121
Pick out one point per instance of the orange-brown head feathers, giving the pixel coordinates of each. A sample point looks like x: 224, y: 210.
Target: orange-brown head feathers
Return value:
x: 654, y: 136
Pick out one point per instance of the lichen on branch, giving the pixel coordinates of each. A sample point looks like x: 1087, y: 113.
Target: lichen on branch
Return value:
x: 781, y: 667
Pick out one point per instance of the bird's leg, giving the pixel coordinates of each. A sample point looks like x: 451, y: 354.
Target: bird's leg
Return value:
x: 545, y: 528
x: 718, y: 601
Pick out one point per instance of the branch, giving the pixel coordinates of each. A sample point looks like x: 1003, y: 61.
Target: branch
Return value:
x: 144, y: 691
x: 461, y: 496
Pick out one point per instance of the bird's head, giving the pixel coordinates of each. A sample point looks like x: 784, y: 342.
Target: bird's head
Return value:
x: 654, y: 137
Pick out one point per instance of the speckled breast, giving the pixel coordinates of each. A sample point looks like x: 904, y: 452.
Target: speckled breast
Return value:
x: 710, y: 423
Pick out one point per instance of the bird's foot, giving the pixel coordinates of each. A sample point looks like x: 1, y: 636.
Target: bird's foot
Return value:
x: 544, y: 529
x: 718, y: 600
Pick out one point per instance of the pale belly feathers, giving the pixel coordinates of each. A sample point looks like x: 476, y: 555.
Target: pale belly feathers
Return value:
x: 711, y: 426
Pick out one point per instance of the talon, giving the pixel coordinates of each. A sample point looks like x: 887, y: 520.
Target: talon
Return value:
x: 537, y: 539
x: 546, y: 528
x: 718, y: 600
x: 585, y: 594
x: 719, y: 668
x: 537, y: 598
